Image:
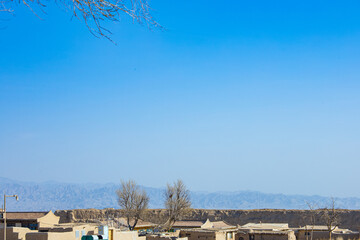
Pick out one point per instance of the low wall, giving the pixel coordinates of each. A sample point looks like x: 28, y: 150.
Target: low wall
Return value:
x: 198, y: 235
x: 14, y: 233
x: 349, y: 219
x: 317, y: 235
x: 50, y: 236
x: 125, y: 235
x: 266, y: 236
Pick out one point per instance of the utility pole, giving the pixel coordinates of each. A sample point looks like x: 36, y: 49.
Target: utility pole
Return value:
x: 4, y: 213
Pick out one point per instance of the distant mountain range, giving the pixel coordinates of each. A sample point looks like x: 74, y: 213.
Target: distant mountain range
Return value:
x: 54, y: 196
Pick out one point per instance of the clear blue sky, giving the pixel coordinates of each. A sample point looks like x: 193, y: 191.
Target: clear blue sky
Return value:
x: 234, y: 95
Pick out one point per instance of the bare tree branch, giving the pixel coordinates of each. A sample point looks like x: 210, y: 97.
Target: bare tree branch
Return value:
x: 95, y: 12
x: 313, y: 214
x: 331, y: 217
x: 133, y: 200
x: 177, y: 202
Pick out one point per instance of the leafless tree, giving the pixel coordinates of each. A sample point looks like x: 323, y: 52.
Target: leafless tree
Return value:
x: 331, y: 217
x: 310, y: 219
x: 95, y: 12
x: 133, y: 200
x: 177, y: 202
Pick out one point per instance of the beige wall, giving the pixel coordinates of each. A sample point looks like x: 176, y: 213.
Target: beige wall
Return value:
x: 48, y: 220
x: 265, y: 236
x: 157, y: 237
x: 197, y: 235
x: 89, y: 229
x: 208, y: 235
x: 14, y: 233
x: 126, y: 235
x: 50, y: 236
x: 68, y: 233
x: 322, y: 235
x: 241, y: 236
x: 64, y: 228
x: 167, y: 237
x: 221, y: 236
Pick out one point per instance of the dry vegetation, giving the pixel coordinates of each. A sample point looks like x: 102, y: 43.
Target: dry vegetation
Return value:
x: 133, y: 200
x: 94, y: 12
x: 177, y: 202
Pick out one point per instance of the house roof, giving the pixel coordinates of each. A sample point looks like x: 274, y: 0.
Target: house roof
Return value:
x: 322, y: 228
x: 207, y: 230
x: 216, y: 225
x: 185, y: 224
x: 266, y: 226
x: 315, y: 227
x: 25, y: 215
x: 221, y: 224
x: 192, y: 230
x: 272, y: 232
x: 139, y: 224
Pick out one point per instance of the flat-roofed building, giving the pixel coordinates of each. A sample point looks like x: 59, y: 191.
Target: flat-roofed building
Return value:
x: 217, y: 225
x: 208, y: 234
x: 15, y: 233
x: 266, y: 226
x: 265, y: 231
x: 31, y: 220
x: 187, y: 224
x: 265, y: 235
x: 317, y: 232
x: 140, y: 225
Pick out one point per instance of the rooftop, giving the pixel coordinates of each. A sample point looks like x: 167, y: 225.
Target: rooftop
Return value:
x: 266, y: 226
x: 25, y: 215
x: 216, y: 225
x: 186, y: 223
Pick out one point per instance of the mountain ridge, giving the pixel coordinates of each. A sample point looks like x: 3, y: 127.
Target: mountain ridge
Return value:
x: 53, y: 195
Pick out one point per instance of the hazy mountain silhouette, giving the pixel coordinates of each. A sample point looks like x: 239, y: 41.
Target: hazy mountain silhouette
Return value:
x: 55, y: 195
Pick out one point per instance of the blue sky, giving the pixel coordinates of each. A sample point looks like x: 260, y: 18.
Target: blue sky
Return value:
x: 233, y: 95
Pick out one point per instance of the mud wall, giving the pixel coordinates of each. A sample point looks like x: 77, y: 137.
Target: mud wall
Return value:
x: 349, y: 218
